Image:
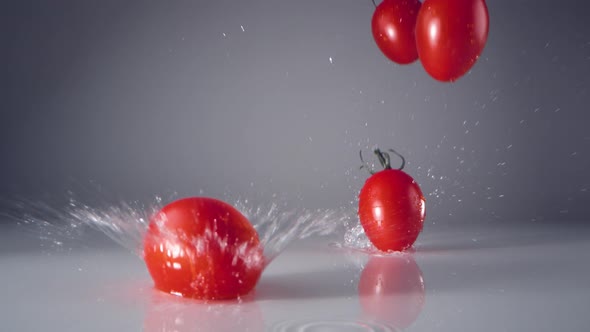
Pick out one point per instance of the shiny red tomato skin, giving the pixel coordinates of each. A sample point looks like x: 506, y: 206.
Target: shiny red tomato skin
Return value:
x: 393, y: 25
x: 450, y: 36
x: 202, y: 248
x: 391, y: 210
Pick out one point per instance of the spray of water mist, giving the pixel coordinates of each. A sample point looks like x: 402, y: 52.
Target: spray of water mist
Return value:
x: 277, y: 222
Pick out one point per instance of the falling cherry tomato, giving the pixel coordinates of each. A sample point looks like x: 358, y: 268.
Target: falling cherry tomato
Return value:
x: 393, y: 27
x: 450, y: 36
x: 203, y: 248
x: 391, y: 207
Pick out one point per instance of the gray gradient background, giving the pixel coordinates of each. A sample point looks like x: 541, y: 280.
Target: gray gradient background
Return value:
x: 146, y: 97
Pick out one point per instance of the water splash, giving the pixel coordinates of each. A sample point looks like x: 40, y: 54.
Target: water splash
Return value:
x: 355, y: 238
x: 277, y: 221
x: 278, y: 225
x: 125, y: 222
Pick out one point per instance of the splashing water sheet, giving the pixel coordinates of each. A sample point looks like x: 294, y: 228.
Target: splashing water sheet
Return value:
x: 127, y: 222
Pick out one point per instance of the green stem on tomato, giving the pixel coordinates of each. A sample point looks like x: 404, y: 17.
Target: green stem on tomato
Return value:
x: 365, y: 164
x: 384, y: 160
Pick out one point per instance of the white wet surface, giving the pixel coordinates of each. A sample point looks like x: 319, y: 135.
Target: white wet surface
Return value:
x: 490, y: 277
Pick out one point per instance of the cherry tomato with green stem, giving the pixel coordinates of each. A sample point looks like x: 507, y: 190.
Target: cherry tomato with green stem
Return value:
x: 391, y: 206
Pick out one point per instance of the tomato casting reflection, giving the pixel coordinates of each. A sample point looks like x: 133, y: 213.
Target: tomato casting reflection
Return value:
x: 174, y: 314
x: 391, y: 290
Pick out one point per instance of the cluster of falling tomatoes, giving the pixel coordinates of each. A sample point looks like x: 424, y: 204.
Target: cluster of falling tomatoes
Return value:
x: 447, y: 36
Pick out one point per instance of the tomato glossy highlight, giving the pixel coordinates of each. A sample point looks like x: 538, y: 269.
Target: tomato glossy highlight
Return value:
x: 450, y: 36
x: 391, y: 290
x: 393, y: 25
x: 391, y: 210
x: 203, y: 248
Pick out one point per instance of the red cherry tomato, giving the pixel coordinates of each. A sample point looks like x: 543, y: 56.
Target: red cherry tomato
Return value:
x: 450, y: 36
x: 203, y: 248
x: 391, y: 207
x: 391, y: 290
x: 393, y: 26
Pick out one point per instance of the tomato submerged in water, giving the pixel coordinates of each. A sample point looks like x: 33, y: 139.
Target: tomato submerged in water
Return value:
x: 391, y: 207
x: 203, y: 248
